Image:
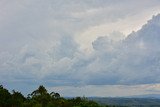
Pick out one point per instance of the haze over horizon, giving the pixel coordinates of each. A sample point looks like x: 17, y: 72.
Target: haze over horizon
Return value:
x: 91, y: 47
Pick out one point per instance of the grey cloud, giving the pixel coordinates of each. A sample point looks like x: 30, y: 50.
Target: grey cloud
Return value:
x: 134, y: 60
x: 38, y: 44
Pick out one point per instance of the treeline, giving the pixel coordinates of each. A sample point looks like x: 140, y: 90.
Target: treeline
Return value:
x: 41, y: 98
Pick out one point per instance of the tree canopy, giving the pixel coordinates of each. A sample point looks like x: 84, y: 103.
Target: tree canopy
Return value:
x: 41, y: 98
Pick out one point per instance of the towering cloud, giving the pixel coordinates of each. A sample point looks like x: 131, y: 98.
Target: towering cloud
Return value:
x: 133, y: 60
x: 59, y: 43
x: 136, y: 59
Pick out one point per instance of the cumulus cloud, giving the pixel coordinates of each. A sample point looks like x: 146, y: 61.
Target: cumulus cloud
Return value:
x: 136, y: 60
x: 133, y: 60
x: 41, y: 42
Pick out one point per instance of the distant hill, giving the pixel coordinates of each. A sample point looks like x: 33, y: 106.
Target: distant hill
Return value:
x: 152, y: 96
x: 128, y: 102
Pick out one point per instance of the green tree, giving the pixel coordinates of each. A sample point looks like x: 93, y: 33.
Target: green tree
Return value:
x: 41, y: 96
x: 17, y: 99
x: 5, y: 97
x: 40, y: 91
x: 55, y: 95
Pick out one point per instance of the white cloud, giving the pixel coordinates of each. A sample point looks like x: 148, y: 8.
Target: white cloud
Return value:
x: 61, y: 43
x: 107, y: 90
x: 134, y: 60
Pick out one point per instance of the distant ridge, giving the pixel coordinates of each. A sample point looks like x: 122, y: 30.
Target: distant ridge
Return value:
x: 128, y: 102
x: 152, y: 96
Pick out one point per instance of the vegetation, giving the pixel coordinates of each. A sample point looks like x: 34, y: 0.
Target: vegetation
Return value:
x: 41, y: 98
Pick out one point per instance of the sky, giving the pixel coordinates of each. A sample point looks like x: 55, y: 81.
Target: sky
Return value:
x: 81, y: 47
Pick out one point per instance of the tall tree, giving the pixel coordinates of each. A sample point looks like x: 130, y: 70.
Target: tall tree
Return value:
x: 17, y: 99
x: 5, y: 97
x: 41, y: 96
x: 40, y: 91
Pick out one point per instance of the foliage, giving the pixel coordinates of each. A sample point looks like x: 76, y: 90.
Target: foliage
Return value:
x: 41, y: 98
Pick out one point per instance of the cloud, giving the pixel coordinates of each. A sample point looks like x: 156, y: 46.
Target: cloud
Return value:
x: 136, y: 59
x: 107, y: 90
x: 78, y: 43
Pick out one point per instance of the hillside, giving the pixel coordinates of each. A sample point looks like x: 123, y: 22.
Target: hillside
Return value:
x: 129, y: 102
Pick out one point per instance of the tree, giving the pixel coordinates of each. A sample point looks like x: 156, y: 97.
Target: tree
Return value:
x: 41, y: 96
x: 5, y: 97
x: 40, y: 91
x: 17, y: 99
x: 54, y: 95
x: 57, y: 95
